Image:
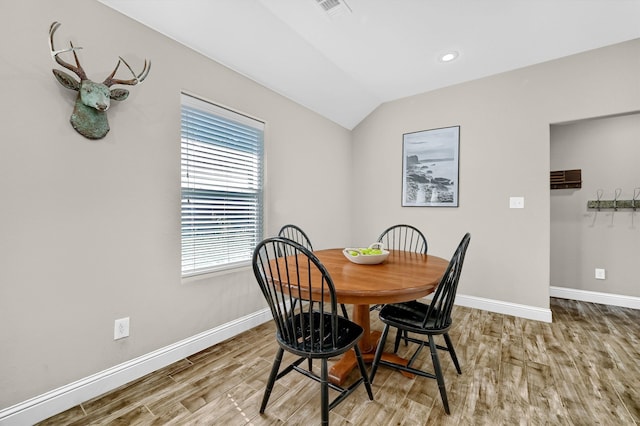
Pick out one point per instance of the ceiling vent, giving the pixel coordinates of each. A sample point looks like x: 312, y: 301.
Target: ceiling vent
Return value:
x: 334, y: 7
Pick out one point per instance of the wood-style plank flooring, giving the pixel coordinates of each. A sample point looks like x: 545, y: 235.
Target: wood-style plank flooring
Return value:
x: 582, y: 369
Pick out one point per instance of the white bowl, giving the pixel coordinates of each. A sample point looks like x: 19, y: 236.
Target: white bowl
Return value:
x: 366, y: 259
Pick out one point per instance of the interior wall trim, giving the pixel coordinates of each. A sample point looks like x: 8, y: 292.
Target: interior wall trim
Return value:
x: 58, y: 400
x: 523, y: 311
x: 621, y: 300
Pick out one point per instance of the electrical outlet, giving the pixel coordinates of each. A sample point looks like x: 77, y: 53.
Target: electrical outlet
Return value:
x: 121, y: 328
x: 600, y: 274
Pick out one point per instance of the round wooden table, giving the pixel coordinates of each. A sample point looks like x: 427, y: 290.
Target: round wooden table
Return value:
x: 403, y: 276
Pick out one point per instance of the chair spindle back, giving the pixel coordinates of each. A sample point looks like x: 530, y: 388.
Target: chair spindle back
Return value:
x: 298, y: 275
x: 405, y: 238
x: 441, y: 304
x: 296, y: 234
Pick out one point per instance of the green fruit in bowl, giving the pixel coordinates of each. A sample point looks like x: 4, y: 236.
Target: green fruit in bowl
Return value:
x: 353, y: 253
x: 370, y: 252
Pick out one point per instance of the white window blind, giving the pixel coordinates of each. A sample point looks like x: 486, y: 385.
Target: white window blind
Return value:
x: 221, y: 186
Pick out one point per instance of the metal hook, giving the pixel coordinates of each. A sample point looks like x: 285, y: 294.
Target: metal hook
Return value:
x: 615, y: 198
x: 599, y: 193
x: 636, y: 196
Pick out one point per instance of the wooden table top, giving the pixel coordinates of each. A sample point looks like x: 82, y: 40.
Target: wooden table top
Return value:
x: 403, y: 276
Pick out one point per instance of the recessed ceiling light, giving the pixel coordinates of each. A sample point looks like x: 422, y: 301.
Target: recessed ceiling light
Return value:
x: 449, y: 56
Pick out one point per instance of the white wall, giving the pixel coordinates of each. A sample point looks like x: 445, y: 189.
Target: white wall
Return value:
x: 504, y: 151
x: 90, y: 230
x: 607, y: 151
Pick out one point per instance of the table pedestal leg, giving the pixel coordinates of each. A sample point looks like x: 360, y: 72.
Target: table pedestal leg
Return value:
x: 368, y: 344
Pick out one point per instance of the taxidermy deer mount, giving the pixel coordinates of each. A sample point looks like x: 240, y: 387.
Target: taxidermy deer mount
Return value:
x: 89, y: 116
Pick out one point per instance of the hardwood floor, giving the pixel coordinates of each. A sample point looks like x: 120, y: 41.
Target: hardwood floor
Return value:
x: 582, y: 369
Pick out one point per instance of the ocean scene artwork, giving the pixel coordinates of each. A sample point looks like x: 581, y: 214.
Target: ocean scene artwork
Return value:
x: 430, y: 167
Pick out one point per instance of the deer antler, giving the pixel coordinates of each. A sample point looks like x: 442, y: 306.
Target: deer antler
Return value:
x: 54, y: 53
x: 137, y: 79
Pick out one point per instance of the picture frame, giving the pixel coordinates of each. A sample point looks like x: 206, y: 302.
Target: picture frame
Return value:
x: 430, y: 167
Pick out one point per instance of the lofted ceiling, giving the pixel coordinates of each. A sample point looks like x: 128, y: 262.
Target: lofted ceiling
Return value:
x: 344, y: 63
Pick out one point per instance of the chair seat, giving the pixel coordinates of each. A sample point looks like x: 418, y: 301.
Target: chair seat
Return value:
x: 410, y: 316
x: 348, y: 334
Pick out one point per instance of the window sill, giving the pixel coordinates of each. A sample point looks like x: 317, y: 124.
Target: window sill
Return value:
x: 213, y: 273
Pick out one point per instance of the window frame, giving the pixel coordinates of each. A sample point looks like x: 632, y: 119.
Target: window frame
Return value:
x: 253, y: 197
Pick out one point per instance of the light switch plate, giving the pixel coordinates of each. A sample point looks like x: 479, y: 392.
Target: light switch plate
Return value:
x: 516, y: 202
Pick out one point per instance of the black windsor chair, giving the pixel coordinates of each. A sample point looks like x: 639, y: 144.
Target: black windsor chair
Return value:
x: 428, y: 321
x: 300, y: 329
x: 295, y: 233
x: 405, y: 238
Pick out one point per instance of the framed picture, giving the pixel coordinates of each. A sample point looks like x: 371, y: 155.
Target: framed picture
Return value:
x: 430, y: 167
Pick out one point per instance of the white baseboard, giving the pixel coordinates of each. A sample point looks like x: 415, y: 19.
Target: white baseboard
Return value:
x: 522, y: 311
x: 595, y: 297
x: 65, y: 397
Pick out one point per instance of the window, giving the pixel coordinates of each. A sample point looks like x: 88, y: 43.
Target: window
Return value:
x: 221, y: 186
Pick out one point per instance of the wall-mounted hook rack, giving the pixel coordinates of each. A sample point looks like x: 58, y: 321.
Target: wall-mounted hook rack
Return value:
x: 616, y: 203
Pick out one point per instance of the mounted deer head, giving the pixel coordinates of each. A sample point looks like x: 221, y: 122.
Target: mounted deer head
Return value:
x: 89, y: 116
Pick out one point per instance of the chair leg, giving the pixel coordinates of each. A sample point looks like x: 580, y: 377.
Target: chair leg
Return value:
x: 344, y: 311
x: 399, y: 335
x: 452, y: 352
x: 378, y: 355
x: 396, y: 345
x: 324, y: 392
x: 438, y: 371
x: 363, y: 371
x: 272, y: 379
